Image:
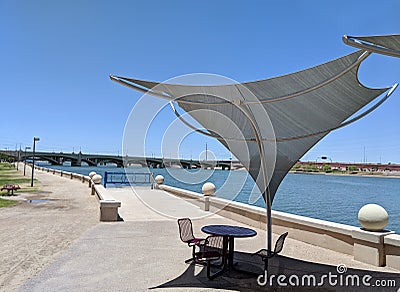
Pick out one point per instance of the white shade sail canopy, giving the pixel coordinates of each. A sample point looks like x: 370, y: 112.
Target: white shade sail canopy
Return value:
x: 289, y: 114
x: 270, y: 124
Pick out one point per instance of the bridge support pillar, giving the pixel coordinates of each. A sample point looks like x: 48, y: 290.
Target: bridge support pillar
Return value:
x: 75, y: 163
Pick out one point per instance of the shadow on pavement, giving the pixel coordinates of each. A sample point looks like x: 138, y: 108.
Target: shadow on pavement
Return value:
x: 297, y: 275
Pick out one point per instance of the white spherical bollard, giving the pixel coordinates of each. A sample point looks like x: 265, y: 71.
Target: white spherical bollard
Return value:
x: 97, y: 179
x: 159, y: 179
x: 373, y: 217
x: 208, y: 189
x: 92, y: 174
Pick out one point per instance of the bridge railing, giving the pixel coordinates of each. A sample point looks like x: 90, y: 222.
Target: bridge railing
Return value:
x: 127, y: 178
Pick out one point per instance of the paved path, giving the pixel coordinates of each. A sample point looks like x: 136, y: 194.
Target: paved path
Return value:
x: 144, y: 252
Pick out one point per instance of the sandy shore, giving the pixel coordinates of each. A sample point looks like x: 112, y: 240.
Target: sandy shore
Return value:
x: 33, y: 234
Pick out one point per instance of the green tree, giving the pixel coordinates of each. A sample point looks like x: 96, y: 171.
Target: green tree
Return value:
x: 352, y: 168
x: 326, y: 168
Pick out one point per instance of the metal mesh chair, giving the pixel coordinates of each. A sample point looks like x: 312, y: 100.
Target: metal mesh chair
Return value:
x: 186, y: 235
x: 266, y: 254
x: 212, y: 250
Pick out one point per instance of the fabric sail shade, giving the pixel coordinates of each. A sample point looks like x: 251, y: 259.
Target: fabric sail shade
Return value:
x: 274, y: 122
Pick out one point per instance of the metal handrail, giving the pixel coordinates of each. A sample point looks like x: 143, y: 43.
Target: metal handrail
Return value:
x: 128, y: 178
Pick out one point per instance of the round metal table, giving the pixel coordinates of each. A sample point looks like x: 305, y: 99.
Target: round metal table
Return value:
x: 229, y: 232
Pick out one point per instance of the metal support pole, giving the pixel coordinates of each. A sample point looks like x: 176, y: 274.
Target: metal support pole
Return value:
x: 266, y: 194
x: 267, y: 198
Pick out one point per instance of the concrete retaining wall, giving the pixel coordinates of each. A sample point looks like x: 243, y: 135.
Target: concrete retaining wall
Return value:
x: 392, y: 250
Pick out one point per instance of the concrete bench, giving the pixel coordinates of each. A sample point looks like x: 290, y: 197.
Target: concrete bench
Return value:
x: 108, y: 205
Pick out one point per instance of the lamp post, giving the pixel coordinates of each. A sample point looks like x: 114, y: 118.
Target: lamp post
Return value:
x: 26, y: 147
x: 33, y: 157
x: 18, y: 159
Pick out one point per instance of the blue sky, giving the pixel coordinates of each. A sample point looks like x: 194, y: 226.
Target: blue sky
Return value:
x: 56, y: 57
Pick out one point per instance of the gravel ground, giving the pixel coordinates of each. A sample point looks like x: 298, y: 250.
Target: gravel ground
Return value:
x: 33, y: 233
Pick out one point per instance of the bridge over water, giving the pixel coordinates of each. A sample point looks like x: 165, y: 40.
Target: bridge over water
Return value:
x: 77, y: 159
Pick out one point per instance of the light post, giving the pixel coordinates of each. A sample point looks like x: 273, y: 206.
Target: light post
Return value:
x: 26, y: 147
x: 33, y: 157
x: 18, y: 155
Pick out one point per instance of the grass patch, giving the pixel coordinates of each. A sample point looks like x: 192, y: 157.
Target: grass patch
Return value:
x: 6, y: 166
x: 9, y: 175
x: 13, y: 179
x: 5, y: 203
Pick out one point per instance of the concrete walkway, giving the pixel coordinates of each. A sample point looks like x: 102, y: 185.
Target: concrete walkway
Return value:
x: 144, y: 252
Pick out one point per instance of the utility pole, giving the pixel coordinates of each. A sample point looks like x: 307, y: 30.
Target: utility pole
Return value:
x: 364, y: 154
x: 35, y: 139
x: 19, y: 155
x: 26, y: 147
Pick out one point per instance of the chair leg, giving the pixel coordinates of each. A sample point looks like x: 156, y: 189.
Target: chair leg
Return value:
x: 218, y: 265
x: 193, y: 258
x: 196, y: 261
x: 189, y: 260
x: 209, y: 276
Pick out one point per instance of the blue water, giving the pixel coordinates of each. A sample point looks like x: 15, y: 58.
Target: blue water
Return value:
x: 326, y: 197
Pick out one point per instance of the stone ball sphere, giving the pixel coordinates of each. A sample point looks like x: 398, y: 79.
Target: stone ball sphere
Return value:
x: 208, y: 189
x: 92, y: 174
x: 97, y: 179
x: 159, y: 179
x: 373, y: 217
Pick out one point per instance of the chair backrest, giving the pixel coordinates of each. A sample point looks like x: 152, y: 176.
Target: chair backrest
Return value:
x: 214, y: 243
x: 279, y: 243
x: 185, y: 229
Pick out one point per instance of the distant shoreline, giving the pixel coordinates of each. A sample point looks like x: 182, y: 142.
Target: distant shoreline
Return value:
x: 347, y: 174
x: 356, y: 174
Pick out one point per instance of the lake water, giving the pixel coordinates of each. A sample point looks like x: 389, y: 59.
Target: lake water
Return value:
x: 326, y: 197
